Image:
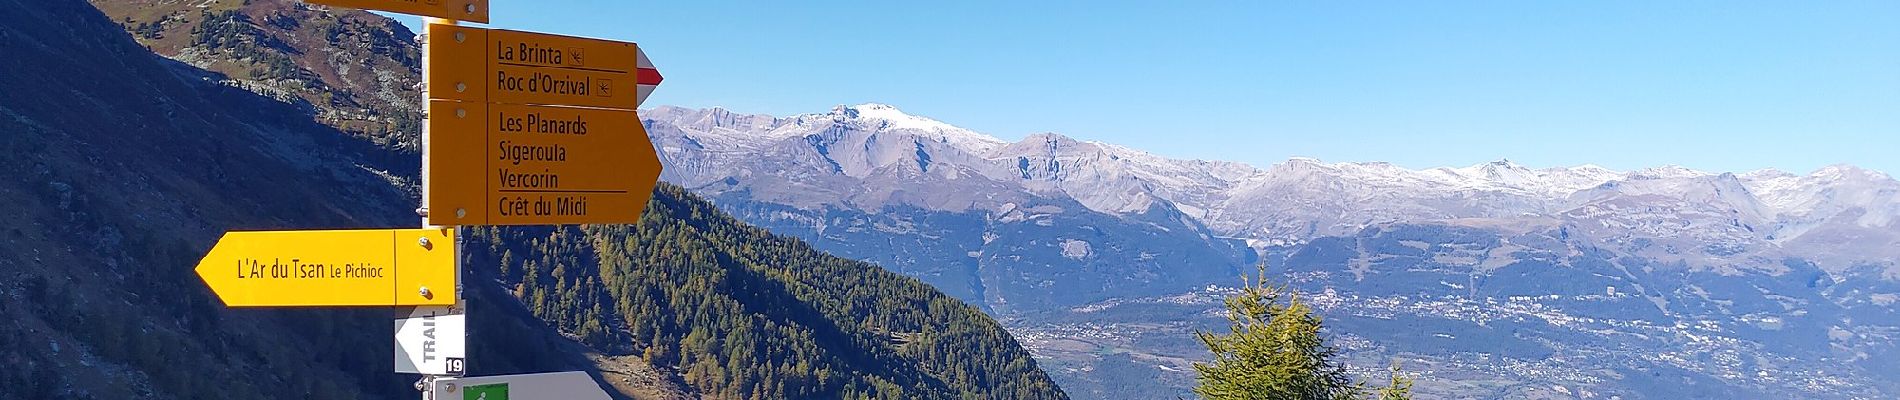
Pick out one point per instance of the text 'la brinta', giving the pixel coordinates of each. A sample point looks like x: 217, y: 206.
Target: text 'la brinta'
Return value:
x: 528, y: 53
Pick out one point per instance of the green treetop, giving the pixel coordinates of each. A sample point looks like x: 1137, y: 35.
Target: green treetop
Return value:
x: 1274, y: 352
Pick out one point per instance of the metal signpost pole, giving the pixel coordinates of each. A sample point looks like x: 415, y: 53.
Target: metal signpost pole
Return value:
x: 428, y: 381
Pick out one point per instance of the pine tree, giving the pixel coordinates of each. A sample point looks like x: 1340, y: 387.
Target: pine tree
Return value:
x: 1399, y: 388
x: 1274, y: 351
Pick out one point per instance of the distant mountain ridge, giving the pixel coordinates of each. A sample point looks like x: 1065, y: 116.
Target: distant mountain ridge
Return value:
x: 872, y: 178
x: 1105, y: 259
x: 1286, y: 203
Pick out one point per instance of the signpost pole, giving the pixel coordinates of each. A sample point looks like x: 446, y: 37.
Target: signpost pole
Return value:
x: 427, y: 112
x: 428, y: 381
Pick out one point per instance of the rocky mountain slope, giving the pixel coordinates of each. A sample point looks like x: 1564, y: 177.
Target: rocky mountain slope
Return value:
x: 140, y: 162
x: 1095, y: 254
x: 136, y: 167
x: 354, y: 71
x: 991, y: 223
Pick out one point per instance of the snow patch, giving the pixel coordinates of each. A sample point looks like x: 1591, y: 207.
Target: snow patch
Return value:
x: 893, y: 119
x: 1839, y: 335
x: 1075, y: 249
x: 1885, y: 299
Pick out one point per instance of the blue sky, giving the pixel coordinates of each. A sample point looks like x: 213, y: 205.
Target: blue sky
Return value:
x: 1725, y: 86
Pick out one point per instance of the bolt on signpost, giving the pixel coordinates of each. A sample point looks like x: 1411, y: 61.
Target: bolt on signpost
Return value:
x: 522, y: 128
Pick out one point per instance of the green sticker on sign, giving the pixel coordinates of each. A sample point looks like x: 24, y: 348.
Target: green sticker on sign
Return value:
x: 494, y: 391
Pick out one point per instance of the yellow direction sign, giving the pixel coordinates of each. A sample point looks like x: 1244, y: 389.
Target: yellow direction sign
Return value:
x: 381, y: 267
x: 462, y: 10
x: 513, y: 67
x: 537, y: 165
x: 535, y: 129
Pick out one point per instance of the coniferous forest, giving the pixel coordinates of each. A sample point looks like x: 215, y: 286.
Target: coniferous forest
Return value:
x: 745, y: 314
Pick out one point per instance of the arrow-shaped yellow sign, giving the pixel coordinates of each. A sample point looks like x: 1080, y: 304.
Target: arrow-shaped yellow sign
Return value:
x: 535, y: 129
x: 380, y: 267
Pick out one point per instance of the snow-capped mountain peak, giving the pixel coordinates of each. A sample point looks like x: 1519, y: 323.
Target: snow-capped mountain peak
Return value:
x: 1849, y: 172
x: 1871, y: 196
x: 1507, y: 175
x: 1503, y: 164
x: 1669, y: 171
x: 887, y: 117
x: 1504, y: 173
x: 1591, y: 169
x: 877, y: 154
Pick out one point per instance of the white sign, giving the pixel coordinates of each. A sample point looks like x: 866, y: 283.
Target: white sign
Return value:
x: 572, y: 385
x: 432, y: 341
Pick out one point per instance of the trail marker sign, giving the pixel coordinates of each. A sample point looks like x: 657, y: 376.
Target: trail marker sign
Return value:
x: 377, y: 267
x: 432, y: 340
x: 517, y: 67
x: 536, y: 129
x: 523, y: 128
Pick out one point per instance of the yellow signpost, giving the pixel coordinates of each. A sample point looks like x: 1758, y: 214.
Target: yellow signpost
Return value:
x: 379, y: 267
x: 620, y: 74
x: 465, y: 10
x: 514, y: 67
x: 539, y: 130
x: 538, y: 165
x: 523, y: 128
